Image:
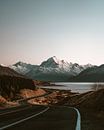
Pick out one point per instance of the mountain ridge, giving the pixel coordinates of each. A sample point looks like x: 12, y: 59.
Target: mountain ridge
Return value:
x: 52, y: 69
x: 93, y: 74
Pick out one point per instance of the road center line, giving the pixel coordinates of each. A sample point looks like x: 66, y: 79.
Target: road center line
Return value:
x: 4, y: 113
x: 22, y: 120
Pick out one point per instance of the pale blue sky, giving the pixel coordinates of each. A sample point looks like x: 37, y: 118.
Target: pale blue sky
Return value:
x: 34, y: 30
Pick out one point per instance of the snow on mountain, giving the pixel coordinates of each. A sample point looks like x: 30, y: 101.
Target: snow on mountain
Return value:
x: 52, y: 67
x: 92, y: 74
x: 61, y: 66
x: 2, y: 65
x: 87, y: 66
x: 22, y: 68
x: 53, y: 62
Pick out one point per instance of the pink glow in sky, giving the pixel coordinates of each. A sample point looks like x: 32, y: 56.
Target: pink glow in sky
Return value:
x: 34, y: 30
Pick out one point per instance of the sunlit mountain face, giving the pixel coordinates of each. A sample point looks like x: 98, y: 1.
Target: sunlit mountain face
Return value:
x: 52, y: 69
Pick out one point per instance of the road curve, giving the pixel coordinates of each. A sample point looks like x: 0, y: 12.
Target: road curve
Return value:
x: 41, y: 118
x: 19, y: 114
x: 13, y: 110
x: 22, y: 120
x: 78, y: 125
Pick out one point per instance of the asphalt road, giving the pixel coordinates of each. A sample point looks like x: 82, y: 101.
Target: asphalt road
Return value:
x: 39, y: 118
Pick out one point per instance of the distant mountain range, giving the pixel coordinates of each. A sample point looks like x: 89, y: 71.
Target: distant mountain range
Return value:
x: 52, y: 69
x: 93, y: 74
x: 6, y: 71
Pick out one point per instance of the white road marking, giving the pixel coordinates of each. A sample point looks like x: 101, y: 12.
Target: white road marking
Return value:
x: 25, y: 119
x: 4, y: 113
x: 78, y: 125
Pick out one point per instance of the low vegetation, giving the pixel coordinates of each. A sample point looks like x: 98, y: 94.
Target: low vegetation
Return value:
x: 90, y: 104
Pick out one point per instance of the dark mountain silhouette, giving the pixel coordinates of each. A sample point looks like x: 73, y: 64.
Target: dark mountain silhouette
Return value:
x: 9, y: 72
x: 93, y: 74
x: 11, y: 82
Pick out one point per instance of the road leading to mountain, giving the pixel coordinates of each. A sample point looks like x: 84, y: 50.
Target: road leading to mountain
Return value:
x: 54, y: 118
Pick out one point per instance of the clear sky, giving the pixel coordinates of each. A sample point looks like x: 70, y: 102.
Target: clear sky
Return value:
x: 34, y: 30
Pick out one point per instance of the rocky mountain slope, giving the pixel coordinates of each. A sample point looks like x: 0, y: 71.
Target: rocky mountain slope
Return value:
x: 93, y: 74
x: 52, y: 69
x: 23, y: 68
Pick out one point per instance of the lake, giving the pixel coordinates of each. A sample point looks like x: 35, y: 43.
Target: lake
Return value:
x: 76, y: 87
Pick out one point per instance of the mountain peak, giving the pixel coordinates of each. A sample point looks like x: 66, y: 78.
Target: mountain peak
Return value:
x: 22, y: 67
x: 52, y: 67
x: 54, y: 62
x: 54, y: 59
x: 18, y: 63
x: 51, y: 62
x: 58, y: 61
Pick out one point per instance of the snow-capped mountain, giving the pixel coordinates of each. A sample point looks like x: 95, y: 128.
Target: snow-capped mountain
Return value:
x: 52, y: 69
x: 22, y: 68
x: 60, y: 66
x: 93, y: 74
x: 53, y: 62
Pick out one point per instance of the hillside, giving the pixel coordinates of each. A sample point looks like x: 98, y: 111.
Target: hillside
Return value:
x: 9, y: 72
x: 11, y: 83
x: 91, y: 107
x: 93, y: 74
